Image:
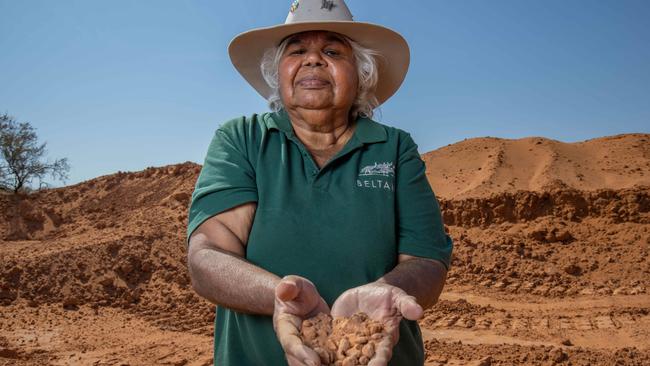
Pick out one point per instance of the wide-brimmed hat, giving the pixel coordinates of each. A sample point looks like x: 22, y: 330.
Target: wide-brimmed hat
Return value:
x: 247, y: 49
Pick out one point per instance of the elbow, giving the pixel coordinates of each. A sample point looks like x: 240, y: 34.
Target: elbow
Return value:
x: 195, y: 253
x: 199, y: 273
x: 193, y: 270
x: 438, y: 273
x: 204, y: 266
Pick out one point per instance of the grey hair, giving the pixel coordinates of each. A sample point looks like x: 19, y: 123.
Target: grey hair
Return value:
x: 367, y: 72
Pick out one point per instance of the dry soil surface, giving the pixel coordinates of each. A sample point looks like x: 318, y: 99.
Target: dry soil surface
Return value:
x: 552, y: 269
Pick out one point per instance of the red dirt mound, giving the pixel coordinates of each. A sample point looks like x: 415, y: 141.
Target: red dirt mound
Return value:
x: 480, y: 167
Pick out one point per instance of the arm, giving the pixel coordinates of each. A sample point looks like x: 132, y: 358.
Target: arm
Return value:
x: 218, y: 269
x: 220, y: 274
x: 421, y: 278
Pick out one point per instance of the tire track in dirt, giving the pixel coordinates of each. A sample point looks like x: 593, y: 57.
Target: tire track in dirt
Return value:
x: 553, y: 322
x: 577, y: 328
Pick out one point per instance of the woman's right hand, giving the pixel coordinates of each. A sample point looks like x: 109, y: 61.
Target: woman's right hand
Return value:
x: 296, y: 299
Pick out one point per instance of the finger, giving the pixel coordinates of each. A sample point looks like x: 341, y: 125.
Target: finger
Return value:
x: 287, y: 325
x: 287, y: 290
x: 383, y: 353
x: 303, y: 355
x: 289, y: 336
x: 293, y: 361
x: 391, y: 331
x: 409, y: 307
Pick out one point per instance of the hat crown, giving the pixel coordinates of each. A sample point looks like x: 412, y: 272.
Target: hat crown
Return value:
x: 318, y: 11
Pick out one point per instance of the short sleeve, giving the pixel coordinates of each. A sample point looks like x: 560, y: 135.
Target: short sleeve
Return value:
x: 421, y: 231
x: 227, y: 179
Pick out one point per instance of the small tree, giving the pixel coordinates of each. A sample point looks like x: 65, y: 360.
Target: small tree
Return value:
x: 21, y: 157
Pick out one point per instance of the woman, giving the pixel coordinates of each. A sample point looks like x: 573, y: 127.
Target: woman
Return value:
x: 315, y: 207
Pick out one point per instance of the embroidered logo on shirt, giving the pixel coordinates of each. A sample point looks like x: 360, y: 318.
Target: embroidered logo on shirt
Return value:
x: 385, y: 169
x: 369, y: 176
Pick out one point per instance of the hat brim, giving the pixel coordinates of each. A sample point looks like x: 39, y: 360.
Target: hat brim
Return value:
x: 247, y: 49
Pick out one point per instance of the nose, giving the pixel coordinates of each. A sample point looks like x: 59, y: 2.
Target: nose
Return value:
x: 313, y: 58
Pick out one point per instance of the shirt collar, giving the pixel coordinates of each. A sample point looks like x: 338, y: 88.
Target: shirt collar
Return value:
x: 279, y: 121
x: 367, y: 131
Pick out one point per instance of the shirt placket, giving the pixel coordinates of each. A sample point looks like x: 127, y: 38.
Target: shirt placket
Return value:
x: 309, y: 165
x: 316, y: 176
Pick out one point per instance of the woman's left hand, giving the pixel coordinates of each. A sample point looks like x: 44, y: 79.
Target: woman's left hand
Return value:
x: 384, y: 303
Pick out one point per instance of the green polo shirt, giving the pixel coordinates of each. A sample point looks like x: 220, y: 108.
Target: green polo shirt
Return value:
x: 341, y: 226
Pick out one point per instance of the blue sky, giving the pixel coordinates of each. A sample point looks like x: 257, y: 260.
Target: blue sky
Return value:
x: 123, y: 85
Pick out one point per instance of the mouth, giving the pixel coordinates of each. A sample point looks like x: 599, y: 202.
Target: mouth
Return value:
x: 312, y: 82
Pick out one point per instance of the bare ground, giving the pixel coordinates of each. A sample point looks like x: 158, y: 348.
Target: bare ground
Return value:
x: 544, y: 274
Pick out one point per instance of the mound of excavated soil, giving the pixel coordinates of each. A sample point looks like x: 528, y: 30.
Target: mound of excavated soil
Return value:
x: 551, y: 269
x: 480, y: 167
x: 117, y: 241
x: 562, y: 243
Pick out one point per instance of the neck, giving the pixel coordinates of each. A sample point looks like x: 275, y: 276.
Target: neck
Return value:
x: 321, y: 129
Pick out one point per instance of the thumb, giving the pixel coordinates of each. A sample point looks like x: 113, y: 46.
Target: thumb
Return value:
x: 409, y: 307
x: 287, y: 290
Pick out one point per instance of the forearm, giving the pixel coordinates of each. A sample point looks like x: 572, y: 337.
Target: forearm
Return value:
x: 231, y: 281
x: 420, y: 278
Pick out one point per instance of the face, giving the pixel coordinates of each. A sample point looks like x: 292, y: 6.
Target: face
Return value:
x: 317, y: 71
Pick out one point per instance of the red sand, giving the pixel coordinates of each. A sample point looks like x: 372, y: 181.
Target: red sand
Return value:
x: 550, y: 265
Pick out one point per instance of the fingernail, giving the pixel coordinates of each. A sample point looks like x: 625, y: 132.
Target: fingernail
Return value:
x: 310, y: 363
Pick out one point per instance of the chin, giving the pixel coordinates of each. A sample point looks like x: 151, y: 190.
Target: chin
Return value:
x: 313, y: 103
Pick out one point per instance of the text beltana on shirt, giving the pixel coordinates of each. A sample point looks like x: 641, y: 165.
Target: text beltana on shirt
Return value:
x: 377, y: 176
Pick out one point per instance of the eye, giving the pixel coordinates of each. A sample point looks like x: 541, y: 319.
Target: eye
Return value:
x: 331, y: 52
x: 297, y: 51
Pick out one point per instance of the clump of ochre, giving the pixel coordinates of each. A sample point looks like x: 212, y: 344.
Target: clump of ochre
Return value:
x: 342, y: 341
